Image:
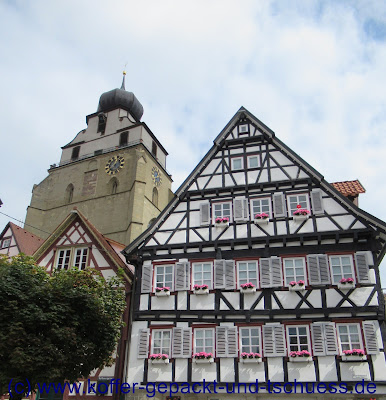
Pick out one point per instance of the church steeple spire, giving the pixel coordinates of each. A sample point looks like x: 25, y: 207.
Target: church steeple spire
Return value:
x: 123, y: 80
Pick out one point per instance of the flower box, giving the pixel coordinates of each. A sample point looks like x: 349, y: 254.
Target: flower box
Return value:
x: 200, y: 289
x: 261, y: 221
x: 300, y: 359
x: 203, y: 360
x: 297, y: 288
x: 221, y: 225
x: 251, y: 360
x: 346, y: 286
x: 354, y: 358
x: 300, y: 218
x: 160, y: 361
x: 248, y: 290
x: 162, y: 291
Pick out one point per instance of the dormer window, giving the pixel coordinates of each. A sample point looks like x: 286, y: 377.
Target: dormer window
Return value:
x: 102, y: 118
x: 75, y: 153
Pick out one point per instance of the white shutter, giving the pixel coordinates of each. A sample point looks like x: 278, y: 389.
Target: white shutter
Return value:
x: 147, y: 277
x: 274, y: 340
x: 143, y: 343
x: 317, y: 202
x: 240, y: 209
x: 205, y: 213
x: 230, y: 281
x: 221, y: 341
x: 276, y: 272
x: 232, y: 341
x: 177, y: 342
x: 318, y: 272
x: 182, y: 278
x: 362, y: 267
x: 279, y: 207
x: 186, y: 342
x: 370, y: 337
x: 318, y: 339
x: 265, y: 271
x: 219, y: 274
x: 330, y: 338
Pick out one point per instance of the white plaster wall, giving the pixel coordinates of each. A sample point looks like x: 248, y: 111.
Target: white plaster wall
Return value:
x: 179, y: 236
x: 181, y: 369
x: 135, y: 364
x: 360, y: 296
x: 278, y: 175
x: 108, y: 273
x: 241, y: 231
x: 249, y: 299
x: 204, y: 371
x: 215, y: 182
x: 351, y: 371
x: 162, y: 302
x: 211, y: 167
x: 227, y: 370
x: 379, y: 366
x: 301, y: 371
x: 202, y: 301
x: 159, y: 372
x: 173, y: 220
x: 144, y: 302
x: 275, y: 369
x: 327, y: 368
x: 182, y: 300
x: 324, y: 224
x: 100, y: 260
x: 233, y: 298
x: 251, y: 372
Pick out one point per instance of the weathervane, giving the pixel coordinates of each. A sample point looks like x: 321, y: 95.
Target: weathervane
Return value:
x: 123, y: 80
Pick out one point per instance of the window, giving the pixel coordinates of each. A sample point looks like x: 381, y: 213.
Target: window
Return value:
x: 349, y: 337
x: 154, y: 149
x: 298, y: 338
x: 164, y: 276
x: 154, y: 199
x: 262, y: 205
x: 69, y: 194
x: 72, y: 257
x: 294, y: 270
x: 295, y: 200
x: 80, y: 260
x: 243, y: 130
x: 6, y: 243
x: 102, y: 118
x: 250, y: 340
x: 247, y: 272
x: 123, y: 139
x: 202, y: 274
x: 222, y: 210
x: 203, y: 340
x: 237, y: 163
x: 75, y: 153
x: 341, y: 267
x: 253, y: 161
x: 161, y: 342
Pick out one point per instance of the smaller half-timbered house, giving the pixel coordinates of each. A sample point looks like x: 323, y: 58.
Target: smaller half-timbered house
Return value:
x: 259, y: 269
x: 77, y: 243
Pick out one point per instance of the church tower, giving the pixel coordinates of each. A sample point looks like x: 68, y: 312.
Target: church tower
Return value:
x: 114, y: 172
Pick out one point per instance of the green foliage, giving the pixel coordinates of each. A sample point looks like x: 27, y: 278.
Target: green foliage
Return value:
x: 55, y: 327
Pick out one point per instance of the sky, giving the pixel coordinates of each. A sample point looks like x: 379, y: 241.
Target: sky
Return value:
x: 312, y: 71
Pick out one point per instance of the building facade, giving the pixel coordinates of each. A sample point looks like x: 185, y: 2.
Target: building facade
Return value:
x: 258, y: 273
x: 114, y: 171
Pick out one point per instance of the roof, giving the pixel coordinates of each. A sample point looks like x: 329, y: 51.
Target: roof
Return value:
x: 111, y: 248
x: 27, y: 242
x: 349, y: 188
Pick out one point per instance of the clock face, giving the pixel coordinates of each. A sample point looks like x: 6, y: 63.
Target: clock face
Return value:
x: 156, y: 175
x: 114, y: 165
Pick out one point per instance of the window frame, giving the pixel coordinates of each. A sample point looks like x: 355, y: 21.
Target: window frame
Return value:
x: 308, y: 207
x: 72, y: 256
x: 251, y: 200
x: 163, y: 331
x: 238, y: 262
x: 7, y: 240
x: 359, y: 333
x: 192, y: 280
x: 249, y: 160
x: 260, y: 345
x: 233, y: 159
x: 297, y: 326
x: 244, y: 133
x: 212, y: 350
x: 284, y: 259
x: 164, y: 265
x: 350, y: 256
x: 230, y: 216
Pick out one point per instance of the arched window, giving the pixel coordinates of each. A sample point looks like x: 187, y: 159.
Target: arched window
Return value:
x: 69, y: 193
x: 155, y: 197
x: 113, y: 185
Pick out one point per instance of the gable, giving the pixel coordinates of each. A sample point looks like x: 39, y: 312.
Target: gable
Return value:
x: 247, y: 164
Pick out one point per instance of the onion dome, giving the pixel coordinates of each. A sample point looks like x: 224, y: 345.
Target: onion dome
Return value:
x: 120, y: 98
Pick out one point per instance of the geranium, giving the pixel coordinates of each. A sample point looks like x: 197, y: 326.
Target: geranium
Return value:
x: 164, y: 288
x: 202, y: 355
x: 250, y: 355
x: 347, y: 280
x: 219, y: 220
x: 200, y: 287
x: 247, y: 285
x: 293, y: 283
x: 159, y: 356
x: 302, y: 353
x: 301, y: 283
x: 261, y: 216
x: 354, y: 352
x: 301, y: 211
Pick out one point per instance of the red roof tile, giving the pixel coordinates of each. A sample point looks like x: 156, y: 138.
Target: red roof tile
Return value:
x: 26, y: 241
x: 349, y: 188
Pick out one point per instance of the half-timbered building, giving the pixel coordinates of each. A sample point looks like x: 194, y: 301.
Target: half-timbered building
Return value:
x: 77, y: 243
x: 259, y: 269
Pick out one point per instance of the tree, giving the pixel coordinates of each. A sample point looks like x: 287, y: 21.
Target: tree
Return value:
x: 58, y: 327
